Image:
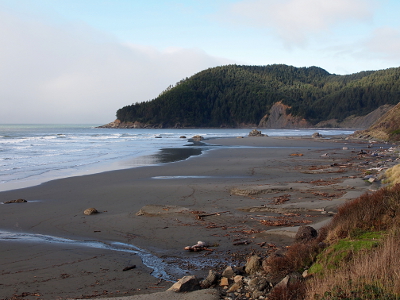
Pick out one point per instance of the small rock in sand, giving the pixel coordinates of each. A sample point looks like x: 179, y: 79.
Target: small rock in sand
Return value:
x: 90, y: 211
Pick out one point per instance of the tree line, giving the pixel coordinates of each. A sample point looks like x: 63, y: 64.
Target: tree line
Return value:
x: 232, y: 95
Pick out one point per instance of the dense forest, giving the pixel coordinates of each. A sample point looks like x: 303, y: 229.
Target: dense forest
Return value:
x: 233, y: 95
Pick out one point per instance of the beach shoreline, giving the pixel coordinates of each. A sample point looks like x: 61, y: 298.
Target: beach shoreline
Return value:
x: 239, y: 187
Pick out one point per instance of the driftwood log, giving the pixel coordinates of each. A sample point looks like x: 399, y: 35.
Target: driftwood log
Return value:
x: 200, y: 217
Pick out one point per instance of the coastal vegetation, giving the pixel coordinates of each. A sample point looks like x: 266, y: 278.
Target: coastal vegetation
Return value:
x: 356, y: 256
x: 234, y: 95
x: 385, y: 128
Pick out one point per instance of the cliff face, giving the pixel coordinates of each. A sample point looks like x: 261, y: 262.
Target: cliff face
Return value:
x: 278, y: 118
x: 386, y: 128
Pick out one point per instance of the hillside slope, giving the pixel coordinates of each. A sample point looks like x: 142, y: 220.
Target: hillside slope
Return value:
x: 386, y: 128
x: 274, y: 96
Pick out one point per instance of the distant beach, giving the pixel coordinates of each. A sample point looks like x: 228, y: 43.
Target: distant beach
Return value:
x: 232, y: 197
x: 33, y: 154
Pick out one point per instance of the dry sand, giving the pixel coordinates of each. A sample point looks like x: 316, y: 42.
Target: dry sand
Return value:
x: 57, y: 252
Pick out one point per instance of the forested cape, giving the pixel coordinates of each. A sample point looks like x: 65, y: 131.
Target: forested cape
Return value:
x: 235, y: 95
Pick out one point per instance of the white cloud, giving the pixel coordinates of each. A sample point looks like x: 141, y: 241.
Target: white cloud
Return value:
x: 71, y: 73
x: 295, y: 21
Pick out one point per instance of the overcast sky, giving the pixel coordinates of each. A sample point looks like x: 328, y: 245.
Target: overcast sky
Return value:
x: 78, y: 61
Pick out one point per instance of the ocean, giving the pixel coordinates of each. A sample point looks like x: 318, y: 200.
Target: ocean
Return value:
x: 33, y: 154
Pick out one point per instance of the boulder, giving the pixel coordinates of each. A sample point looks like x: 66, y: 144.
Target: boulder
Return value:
x: 255, y: 132
x: 186, y: 284
x: 211, y: 279
x: 258, y: 283
x: 253, y: 265
x: 197, y: 138
x: 289, y: 279
x: 228, y: 272
x: 90, y: 211
x: 305, y: 234
x: 317, y: 135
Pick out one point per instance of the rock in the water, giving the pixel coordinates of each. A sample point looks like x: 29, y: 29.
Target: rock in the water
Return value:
x: 197, y: 138
x: 15, y: 201
x: 316, y: 135
x: 255, y: 132
x: 305, y: 234
x: 253, y: 265
x: 186, y: 284
x: 90, y: 211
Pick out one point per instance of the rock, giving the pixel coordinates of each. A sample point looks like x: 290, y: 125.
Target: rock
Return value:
x: 228, y: 272
x: 210, y: 280
x: 316, y: 135
x: 258, y: 283
x: 15, y: 201
x: 305, y: 273
x: 238, y: 278
x: 197, y: 138
x: 257, y: 294
x: 224, y: 281
x: 90, y: 211
x: 182, y: 137
x: 255, y: 132
x: 239, y: 270
x: 253, y: 265
x: 186, y: 284
x: 305, y: 234
x: 235, y: 287
x: 291, y: 278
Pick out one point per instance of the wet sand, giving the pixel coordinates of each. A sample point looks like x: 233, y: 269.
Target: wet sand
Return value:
x: 246, y: 195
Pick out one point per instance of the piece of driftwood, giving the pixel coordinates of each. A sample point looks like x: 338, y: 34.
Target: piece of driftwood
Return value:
x: 129, y: 268
x: 245, y: 242
x: 200, y: 217
x: 200, y: 246
x: 15, y: 201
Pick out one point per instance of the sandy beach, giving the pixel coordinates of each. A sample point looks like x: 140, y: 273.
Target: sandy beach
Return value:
x: 245, y: 196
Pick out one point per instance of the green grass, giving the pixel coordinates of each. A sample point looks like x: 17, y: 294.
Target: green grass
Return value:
x: 343, y: 250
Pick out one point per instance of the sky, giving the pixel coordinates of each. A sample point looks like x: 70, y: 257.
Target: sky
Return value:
x: 79, y: 61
